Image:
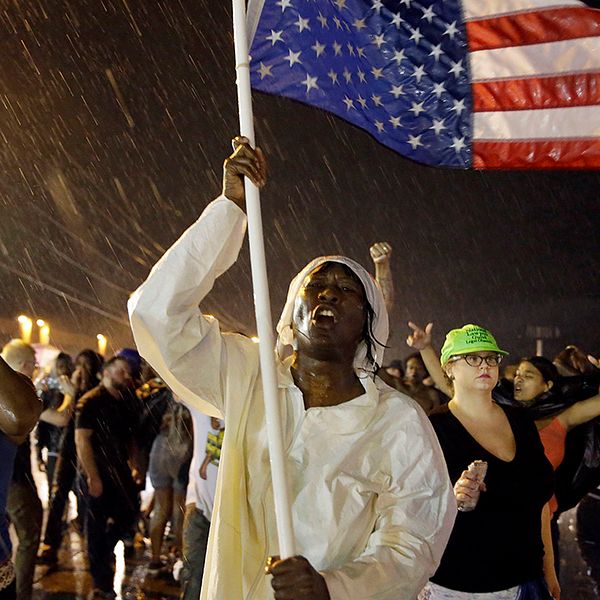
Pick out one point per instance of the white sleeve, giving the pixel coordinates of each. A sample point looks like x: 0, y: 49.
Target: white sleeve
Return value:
x: 415, y: 518
x: 185, y: 347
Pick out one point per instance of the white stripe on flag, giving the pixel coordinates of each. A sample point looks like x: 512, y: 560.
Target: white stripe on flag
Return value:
x: 551, y: 58
x: 551, y: 123
x: 486, y: 9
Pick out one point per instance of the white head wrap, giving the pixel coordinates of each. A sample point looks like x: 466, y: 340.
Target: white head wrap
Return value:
x: 380, y: 327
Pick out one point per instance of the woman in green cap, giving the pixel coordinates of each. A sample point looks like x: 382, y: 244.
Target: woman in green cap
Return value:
x: 498, y: 548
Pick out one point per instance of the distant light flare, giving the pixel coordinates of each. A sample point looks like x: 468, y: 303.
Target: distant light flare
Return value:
x: 25, y: 326
x: 102, y: 343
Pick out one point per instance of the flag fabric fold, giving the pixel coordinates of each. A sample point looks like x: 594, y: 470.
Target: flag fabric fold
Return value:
x: 465, y: 84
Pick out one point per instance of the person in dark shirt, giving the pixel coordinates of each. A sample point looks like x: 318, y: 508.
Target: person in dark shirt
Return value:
x: 104, y: 439
x: 88, y: 367
x: 503, y: 546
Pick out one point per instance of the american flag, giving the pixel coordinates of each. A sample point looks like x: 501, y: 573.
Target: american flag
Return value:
x: 485, y: 84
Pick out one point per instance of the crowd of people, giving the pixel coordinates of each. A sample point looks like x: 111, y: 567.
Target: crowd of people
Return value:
x: 102, y: 429
x: 378, y: 458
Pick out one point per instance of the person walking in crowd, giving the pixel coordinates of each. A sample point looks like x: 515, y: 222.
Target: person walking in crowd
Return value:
x: 86, y: 376
x: 103, y: 438
x: 24, y: 507
x: 371, y: 501
x: 502, y: 548
x: 20, y: 409
x: 536, y: 376
x: 56, y: 415
x: 169, y: 464
x: 199, y: 501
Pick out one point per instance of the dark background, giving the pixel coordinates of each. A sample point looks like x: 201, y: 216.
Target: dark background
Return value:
x: 115, y: 117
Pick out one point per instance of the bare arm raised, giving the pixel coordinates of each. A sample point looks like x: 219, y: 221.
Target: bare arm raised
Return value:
x: 381, y: 254
x: 420, y: 339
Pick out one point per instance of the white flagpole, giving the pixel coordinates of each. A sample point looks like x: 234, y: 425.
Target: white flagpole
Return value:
x: 262, y: 304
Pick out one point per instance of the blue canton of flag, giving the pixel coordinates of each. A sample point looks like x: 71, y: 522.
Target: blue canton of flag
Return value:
x: 396, y: 68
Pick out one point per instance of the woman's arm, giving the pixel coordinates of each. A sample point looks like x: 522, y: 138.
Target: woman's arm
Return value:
x: 549, y: 570
x: 581, y: 412
x: 420, y: 339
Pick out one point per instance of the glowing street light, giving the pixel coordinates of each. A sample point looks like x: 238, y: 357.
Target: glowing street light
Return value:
x: 25, y: 325
x: 102, y: 343
x: 43, y: 332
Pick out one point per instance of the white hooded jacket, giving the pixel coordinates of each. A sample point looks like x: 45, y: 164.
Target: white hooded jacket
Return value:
x: 372, y: 504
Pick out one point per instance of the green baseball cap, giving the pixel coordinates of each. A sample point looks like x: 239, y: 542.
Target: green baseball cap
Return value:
x: 467, y: 339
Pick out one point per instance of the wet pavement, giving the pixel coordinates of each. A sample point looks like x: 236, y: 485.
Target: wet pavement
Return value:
x: 71, y: 580
x: 574, y: 579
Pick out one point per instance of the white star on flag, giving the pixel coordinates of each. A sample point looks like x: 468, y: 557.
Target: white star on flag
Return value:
x: 414, y: 141
x: 361, y: 76
x: 318, y: 48
x: 333, y: 76
x: 362, y: 102
x: 284, y: 4
x: 377, y: 73
x: 359, y: 24
x: 417, y: 108
x: 380, y: 126
x: 451, y: 30
x: 293, y: 57
x: 458, y: 143
x: 396, y: 90
x: 379, y: 40
x: 377, y: 5
x: 457, y: 68
x: 397, y: 20
x: 275, y: 37
x: 459, y: 106
x: 419, y: 73
x: 265, y: 70
x: 376, y: 100
x: 310, y: 83
x: 428, y: 13
x: 398, y: 56
x: 302, y: 24
x: 337, y: 49
x: 323, y: 20
x: 395, y: 121
x: 416, y: 35
x: 439, y: 89
x: 436, y: 52
x: 341, y: 4
x: 347, y: 75
x: 438, y: 125
x: 348, y: 102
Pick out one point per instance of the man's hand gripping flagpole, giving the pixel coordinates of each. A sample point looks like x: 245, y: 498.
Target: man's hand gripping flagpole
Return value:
x: 262, y: 305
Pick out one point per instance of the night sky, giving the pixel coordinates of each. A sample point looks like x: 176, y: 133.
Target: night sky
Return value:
x: 115, y: 117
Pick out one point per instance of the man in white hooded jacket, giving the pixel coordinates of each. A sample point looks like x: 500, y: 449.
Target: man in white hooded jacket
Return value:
x: 372, y: 505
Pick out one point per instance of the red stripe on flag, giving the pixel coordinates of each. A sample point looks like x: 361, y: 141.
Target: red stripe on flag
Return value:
x: 581, y: 89
x: 537, y: 154
x: 536, y: 27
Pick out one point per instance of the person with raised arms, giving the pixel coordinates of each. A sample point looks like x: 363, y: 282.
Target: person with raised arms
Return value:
x: 371, y: 501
